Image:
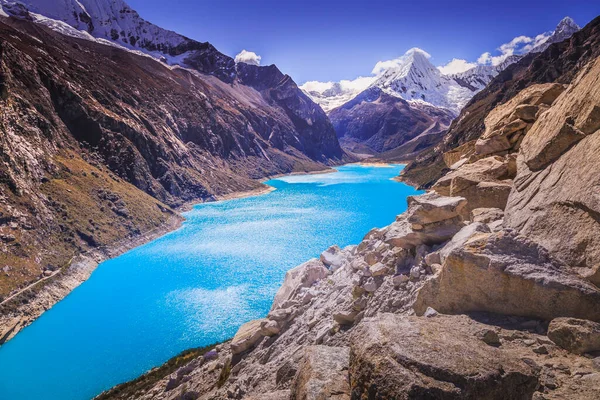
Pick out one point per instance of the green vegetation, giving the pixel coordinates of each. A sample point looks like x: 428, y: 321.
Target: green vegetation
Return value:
x: 145, y: 382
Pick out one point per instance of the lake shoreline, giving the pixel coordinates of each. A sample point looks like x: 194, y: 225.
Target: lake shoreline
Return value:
x: 43, y: 294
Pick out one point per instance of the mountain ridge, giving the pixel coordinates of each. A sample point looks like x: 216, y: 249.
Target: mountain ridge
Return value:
x: 100, y: 145
x: 414, y: 79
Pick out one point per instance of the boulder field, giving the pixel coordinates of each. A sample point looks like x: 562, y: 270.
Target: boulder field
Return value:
x: 485, y: 288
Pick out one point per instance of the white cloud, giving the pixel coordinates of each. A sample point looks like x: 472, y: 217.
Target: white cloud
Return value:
x: 358, y: 84
x: 355, y: 85
x: 382, y: 66
x: 456, y: 66
x: 537, y: 41
x: 248, y: 57
x: 316, y: 86
x: 519, y: 45
x: 485, y: 58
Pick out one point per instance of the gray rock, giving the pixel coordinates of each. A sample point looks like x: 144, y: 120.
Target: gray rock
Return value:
x: 395, y: 356
x: 400, y: 279
x: 575, y: 335
x: 507, y: 274
x: 302, y: 276
x: 332, y: 258
x: 370, y: 286
x: 322, y: 374
x: 430, y: 312
x: 489, y: 336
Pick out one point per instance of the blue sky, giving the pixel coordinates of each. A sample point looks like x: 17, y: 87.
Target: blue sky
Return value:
x: 333, y: 39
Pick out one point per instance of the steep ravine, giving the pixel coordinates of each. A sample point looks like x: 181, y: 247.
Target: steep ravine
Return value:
x: 485, y: 288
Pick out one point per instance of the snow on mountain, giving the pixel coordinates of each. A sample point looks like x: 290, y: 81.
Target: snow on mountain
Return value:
x: 564, y: 30
x: 108, y: 20
x: 411, y: 77
x: 414, y: 78
x: 330, y: 95
x: 478, y: 77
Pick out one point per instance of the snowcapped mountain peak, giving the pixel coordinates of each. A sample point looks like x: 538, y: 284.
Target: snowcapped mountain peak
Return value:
x: 564, y: 30
x: 566, y: 25
x: 413, y: 77
x: 111, y: 20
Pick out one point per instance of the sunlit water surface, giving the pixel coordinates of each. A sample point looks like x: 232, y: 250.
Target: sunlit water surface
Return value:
x: 194, y: 286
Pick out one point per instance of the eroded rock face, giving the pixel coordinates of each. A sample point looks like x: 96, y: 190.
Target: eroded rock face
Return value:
x: 576, y: 335
x: 507, y: 124
x: 508, y: 274
x: 394, y: 356
x: 485, y: 183
x: 247, y: 336
x: 322, y: 374
x: 297, y: 279
x: 555, y: 200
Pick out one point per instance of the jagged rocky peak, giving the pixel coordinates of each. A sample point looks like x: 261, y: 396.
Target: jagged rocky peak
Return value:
x: 564, y: 30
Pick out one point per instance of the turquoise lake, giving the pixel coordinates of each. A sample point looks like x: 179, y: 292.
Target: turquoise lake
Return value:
x: 194, y: 286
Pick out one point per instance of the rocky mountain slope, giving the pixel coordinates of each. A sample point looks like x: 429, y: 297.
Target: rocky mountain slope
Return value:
x: 558, y: 63
x: 376, y: 121
x: 487, y: 287
x: 414, y: 83
x: 98, y: 144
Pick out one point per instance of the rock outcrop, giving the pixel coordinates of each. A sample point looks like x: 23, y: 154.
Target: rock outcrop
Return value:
x: 399, y: 357
x: 576, y: 335
x: 508, y: 274
x: 554, y: 200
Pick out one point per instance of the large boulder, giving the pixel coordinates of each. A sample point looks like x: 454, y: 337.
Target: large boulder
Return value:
x: 400, y: 357
x: 322, y: 374
x: 302, y: 276
x: 459, y: 240
x: 430, y: 219
x: 508, y: 274
x: 555, y: 197
x: 402, y: 234
x: 484, y: 184
x: 575, y: 335
x: 431, y: 208
x: 247, y: 336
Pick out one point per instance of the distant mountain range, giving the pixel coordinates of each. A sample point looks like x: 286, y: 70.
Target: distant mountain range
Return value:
x: 360, y: 113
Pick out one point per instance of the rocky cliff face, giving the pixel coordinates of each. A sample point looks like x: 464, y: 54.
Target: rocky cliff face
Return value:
x: 98, y: 144
x: 558, y: 63
x: 487, y: 287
